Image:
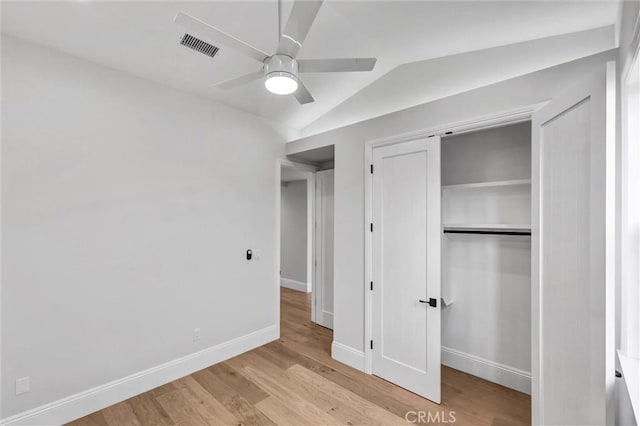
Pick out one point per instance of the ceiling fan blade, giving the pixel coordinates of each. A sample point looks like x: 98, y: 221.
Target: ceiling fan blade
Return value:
x: 336, y: 65
x: 302, y: 94
x: 239, y: 81
x: 217, y: 36
x: 303, y: 13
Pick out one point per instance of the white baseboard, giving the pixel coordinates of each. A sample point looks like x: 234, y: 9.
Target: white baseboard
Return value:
x: 347, y: 355
x: 83, y: 403
x: 492, y: 371
x: 295, y: 285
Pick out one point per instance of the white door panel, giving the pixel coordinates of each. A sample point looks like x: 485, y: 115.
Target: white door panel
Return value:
x: 406, y: 265
x: 573, y: 372
x: 324, y: 248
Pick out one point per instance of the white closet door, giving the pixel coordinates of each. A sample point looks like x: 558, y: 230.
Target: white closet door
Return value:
x: 572, y: 285
x: 323, y: 296
x: 406, y: 265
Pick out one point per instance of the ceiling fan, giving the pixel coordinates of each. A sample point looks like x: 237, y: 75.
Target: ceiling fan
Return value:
x: 281, y: 69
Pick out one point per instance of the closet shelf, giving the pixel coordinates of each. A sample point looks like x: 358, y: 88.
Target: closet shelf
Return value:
x: 491, y: 229
x: 516, y: 182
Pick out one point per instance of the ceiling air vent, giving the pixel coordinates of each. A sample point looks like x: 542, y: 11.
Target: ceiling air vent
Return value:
x: 199, y: 45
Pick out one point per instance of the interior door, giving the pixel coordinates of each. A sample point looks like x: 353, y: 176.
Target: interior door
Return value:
x: 406, y: 235
x: 572, y: 230
x: 323, y: 296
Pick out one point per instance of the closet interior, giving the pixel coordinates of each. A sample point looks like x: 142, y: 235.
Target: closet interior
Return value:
x: 486, y: 254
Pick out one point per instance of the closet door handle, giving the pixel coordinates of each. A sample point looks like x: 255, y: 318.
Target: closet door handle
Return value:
x: 431, y: 302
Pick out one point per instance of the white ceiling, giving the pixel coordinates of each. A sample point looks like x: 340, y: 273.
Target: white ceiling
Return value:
x: 419, y: 82
x: 140, y: 38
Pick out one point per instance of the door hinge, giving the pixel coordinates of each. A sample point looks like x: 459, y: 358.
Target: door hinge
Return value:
x: 371, y: 227
x: 372, y: 169
x: 371, y: 285
x: 371, y: 343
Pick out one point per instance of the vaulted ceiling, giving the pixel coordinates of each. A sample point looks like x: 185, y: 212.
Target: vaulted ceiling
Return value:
x: 425, y: 49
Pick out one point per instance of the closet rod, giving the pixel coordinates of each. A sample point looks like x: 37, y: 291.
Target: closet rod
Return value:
x: 486, y: 232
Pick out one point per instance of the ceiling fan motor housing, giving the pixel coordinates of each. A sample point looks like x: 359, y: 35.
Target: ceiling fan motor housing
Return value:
x: 281, y: 65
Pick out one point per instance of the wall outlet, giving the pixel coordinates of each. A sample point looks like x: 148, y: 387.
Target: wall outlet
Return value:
x: 22, y: 385
x: 196, y: 334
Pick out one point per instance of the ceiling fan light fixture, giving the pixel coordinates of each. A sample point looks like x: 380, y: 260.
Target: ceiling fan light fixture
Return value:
x: 281, y: 69
x: 281, y: 83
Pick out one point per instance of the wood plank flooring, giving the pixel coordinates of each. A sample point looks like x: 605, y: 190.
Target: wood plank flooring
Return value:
x: 294, y: 381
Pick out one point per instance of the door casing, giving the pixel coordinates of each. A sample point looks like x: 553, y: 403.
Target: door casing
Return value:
x: 322, y: 317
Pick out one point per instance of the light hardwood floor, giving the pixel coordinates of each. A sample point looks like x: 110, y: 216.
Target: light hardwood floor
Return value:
x: 294, y: 381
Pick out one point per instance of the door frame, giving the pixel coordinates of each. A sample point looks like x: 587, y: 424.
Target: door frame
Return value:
x: 309, y: 172
x: 513, y: 116
x: 319, y: 245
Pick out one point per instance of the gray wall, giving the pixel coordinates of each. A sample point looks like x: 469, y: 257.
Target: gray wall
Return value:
x: 350, y: 169
x: 502, y: 153
x: 127, y: 208
x: 293, y: 231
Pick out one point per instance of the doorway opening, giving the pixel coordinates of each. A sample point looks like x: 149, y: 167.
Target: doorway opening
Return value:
x: 306, y: 188
x: 486, y: 254
x: 296, y: 239
x: 472, y: 209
